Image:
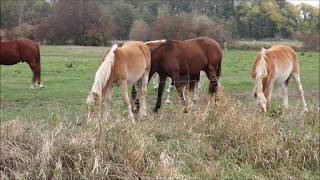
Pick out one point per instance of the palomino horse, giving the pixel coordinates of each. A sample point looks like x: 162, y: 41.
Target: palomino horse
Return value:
x: 182, y: 61
x: 129, y: 63
x: 22, y: 50
x: 276, y: 64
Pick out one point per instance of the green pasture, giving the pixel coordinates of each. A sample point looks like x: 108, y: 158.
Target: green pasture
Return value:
x: 68, y: 73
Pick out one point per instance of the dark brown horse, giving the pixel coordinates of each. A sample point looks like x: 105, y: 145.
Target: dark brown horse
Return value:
x: 22, y: 50
x: 182, y: 61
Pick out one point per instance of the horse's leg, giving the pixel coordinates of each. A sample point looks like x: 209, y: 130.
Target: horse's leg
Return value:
x: 169, y: 89
x: 143, y: 94
x: 125, y: 97
x: 162, y: 83
x: 34, y: 75
x: 267, y: 90
x: 296, y: 78
x: 213, y: 86
x: 284, y: 89
x: 106, y: 99
x: 155, y: 82
x: 180, y: 89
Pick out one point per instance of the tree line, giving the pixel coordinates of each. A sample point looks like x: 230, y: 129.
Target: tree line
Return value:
x: 96, y: 22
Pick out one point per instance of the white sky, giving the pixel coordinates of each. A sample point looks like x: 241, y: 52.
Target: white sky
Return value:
x: 314, y: 3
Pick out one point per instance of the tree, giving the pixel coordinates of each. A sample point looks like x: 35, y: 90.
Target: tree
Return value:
x: 139, y: 30
x: 123, y: 17
x: 80, y: 22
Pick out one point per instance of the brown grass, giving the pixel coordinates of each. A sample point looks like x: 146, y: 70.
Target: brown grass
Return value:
x: 230, y: 140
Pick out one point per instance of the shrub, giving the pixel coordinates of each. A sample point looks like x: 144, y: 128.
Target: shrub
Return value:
x: 139, y: 30
x: 310, y: 40
x: 186, y: 26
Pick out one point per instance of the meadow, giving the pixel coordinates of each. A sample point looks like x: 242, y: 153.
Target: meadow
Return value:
x: 44, y: 132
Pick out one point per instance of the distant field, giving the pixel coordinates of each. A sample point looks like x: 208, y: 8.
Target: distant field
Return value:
x: 68, y: 73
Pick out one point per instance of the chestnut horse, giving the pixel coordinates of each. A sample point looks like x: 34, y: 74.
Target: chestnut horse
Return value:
x: 22, y: 50
x: 129, y: 63
x: 183, y: 61
x: 276, y: 64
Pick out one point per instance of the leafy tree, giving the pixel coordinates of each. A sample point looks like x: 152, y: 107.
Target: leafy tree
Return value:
x: 123, y: 17
x: 140, y: 30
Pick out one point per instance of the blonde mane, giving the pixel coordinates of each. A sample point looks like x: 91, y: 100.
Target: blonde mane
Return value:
x: 261, y: 67
x: 156, y: 41
x: 261, y: 72
x: 103, y: 72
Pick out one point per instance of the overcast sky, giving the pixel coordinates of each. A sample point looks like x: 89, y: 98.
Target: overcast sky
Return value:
x: 311, y: 2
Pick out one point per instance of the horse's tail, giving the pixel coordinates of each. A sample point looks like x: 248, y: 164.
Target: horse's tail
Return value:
x: 260, y: 72
x: 38, y: 55
x: 102, y: 74
x: 218, y: 69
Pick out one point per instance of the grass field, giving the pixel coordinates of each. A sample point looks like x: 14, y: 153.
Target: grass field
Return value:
x: 67, y: 87
x: 232, y: 141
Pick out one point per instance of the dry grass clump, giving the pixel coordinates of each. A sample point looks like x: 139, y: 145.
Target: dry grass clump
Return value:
x: 228, y: 140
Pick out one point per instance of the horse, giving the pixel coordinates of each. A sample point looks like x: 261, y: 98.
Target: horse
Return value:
x: 182, y: 61
x: 23, y: 50
x: 121, y: 65
x: 276, y: 64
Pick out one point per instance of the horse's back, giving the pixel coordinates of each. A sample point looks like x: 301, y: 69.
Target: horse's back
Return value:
x: 282, y: 55
x: 195, y: 54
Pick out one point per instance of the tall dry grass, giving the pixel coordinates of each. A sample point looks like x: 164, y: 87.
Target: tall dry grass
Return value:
x: 230, y: 140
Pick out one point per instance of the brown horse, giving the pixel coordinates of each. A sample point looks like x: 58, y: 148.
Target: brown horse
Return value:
x: 183, y: 61
x: 22, y: 50
x: 276, y: 64
x: 127, y: 64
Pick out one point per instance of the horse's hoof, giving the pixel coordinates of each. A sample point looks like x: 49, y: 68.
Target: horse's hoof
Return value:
x: 41, y: 86
x: 168, y: 101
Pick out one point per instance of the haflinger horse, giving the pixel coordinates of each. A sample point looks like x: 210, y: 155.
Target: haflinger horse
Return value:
x: 121, y: 65
x: 183, y: 61
x: 23, y: 50
x: 276, y: 64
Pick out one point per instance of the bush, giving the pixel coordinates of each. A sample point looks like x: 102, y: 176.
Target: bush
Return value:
x: 186, y: 26
x: 139, y: 30
x: 310, y: 40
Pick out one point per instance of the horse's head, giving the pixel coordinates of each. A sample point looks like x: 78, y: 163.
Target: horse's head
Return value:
x: 92, y: 99
x: 261, y: 100
x: 259, y: 72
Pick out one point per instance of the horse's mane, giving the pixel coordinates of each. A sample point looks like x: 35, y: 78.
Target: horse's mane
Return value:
x: 104, y: 71
x: 156, y: 41
x: 261, y: 66
x: 261, y: 72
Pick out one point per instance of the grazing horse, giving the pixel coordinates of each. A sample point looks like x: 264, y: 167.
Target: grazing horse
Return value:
x: 183, y: 61
x: 127, y: 64
x: 22, y: 50
x: 276, y: 64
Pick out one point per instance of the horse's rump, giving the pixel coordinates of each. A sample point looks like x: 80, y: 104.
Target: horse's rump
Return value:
x: 20, y: 50
x: 136, y: 57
